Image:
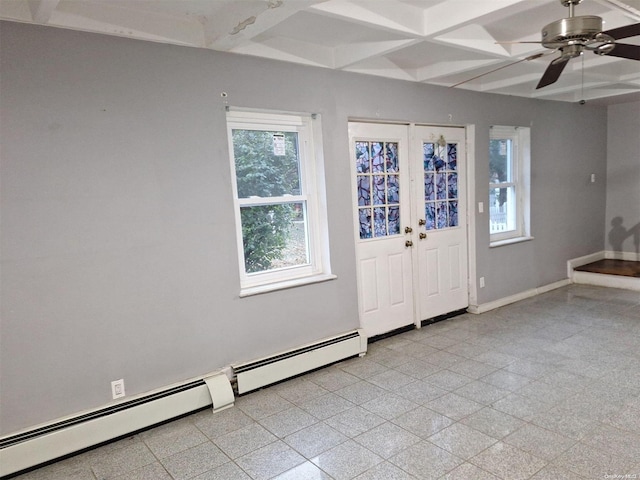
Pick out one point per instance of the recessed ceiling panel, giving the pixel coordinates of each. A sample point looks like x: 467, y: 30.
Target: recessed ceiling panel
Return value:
x: 326, y: 31
x: 427, y: 53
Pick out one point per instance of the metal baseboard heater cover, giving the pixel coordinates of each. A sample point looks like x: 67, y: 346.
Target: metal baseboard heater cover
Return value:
x: 266, y: 371
x: 34, y: 447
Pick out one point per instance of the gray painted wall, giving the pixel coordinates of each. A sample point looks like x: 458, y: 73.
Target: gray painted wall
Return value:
x: 118, y: 244
x: 623, y: 179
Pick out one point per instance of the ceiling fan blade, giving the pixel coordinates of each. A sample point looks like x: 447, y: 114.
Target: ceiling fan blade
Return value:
x: 530, y: 57
x: 625, y: 50
x: 624, y: 32
x: 553, y: 71
x: 514, y: 42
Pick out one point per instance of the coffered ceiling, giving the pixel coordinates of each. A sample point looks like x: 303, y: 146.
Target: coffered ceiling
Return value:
x: 440, y: 42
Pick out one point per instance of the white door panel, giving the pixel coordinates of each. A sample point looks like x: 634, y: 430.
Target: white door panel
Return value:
x: 440, y: 205
x: 382, y: 198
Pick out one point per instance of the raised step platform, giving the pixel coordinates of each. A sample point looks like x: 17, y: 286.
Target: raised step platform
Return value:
x: 612, y: 267
x: 609, y: 273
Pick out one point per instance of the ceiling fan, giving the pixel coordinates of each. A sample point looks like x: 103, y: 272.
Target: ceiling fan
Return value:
x: 574, y: 35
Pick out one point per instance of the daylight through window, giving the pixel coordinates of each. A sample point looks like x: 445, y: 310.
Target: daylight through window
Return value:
x: 509, y: 158
x: 279, y: 223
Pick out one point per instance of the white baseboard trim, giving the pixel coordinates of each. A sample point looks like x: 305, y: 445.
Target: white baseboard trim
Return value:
x: 611, y: 281
x: 501, y: 302
x: 578, y: 262
x: 628, y: 256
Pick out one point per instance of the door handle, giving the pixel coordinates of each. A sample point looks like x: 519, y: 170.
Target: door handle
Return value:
x: 422, y: 222
x: 408, y: 243
x: 422, y: 236
x: 408, y: 229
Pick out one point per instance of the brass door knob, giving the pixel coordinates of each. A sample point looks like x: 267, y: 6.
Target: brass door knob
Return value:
x: 408, y: 229
x: 422, y: 222
x: 422, y: 236
x: 408, y: 243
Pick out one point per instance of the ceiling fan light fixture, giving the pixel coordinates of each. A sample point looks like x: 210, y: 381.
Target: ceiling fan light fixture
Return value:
x: 569, y: 52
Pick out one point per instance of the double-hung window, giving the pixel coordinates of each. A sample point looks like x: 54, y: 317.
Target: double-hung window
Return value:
x: 509, y: 182
x: 278, y: 187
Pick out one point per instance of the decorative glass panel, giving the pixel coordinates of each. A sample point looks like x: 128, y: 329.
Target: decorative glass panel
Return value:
x: 453, y: 214
x: 428, y: 149
x: 364, y: 215
x: 429, y: 187
x: 430, y: 214
x: 364, y: 190
x: 440, y: 185
x: 394, y: 220
x: 438, y: 162
x: 379, y: 222
x: 362, y: 157
x: 377, y: 156
x: 261, y: 169
x: 393, y: 189
x: 379, y: 197
x: 378, y: 183
x: 442, y: 215
x: 452, y: 182
x: 452, y: 153
x: 392, y: 157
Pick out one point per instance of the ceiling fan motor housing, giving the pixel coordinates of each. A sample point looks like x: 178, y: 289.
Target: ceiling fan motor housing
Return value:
x: 583, y: 28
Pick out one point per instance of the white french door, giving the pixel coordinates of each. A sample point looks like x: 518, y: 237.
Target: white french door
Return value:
x: 440, y: 203
x: 411, y: 234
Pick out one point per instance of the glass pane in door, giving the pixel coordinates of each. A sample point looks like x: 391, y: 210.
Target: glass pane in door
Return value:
x: 378, y: 184
x: 440, y: 162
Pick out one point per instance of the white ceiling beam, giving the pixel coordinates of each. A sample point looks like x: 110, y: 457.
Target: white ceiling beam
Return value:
x: 348, y: 55
x: 386, y: 15
x: 562, y: 88
x: 228, y: 29
x: 632, y: 78
x: 453, y: 14
x: 445, y: 69
x: 128, y: 21
x: 511, y: 81
x: 474, y: 37
x: 624, y: 6
x: 13, y: 10
x: 41, y: 10
x: 382, y: 67
x: 289, y: 51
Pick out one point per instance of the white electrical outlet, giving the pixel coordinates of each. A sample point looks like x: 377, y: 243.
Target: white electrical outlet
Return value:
x: 480, y: 207
x: 117, y: 388
x: 481, y: 282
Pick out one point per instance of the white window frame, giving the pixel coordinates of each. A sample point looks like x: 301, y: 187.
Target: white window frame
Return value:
x: 520, y: 182
x: 312, y: 193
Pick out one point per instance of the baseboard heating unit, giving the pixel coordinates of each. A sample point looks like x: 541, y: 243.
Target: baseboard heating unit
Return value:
x: 266, y: 371
x: 30, y: 448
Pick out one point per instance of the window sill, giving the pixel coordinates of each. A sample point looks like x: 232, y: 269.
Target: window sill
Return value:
x: 509, y: 241
x: 282, y: 285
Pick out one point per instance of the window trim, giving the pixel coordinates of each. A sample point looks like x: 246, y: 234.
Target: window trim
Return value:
x: 520, y: 181
x: 312, y: 193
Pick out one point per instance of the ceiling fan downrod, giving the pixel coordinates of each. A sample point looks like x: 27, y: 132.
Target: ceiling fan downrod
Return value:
x: 570, y: 4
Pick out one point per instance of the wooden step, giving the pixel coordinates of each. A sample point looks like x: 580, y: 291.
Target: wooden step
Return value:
x: 612, y: 267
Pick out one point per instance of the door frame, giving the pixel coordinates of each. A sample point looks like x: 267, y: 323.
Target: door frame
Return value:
x: 469, y: 135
